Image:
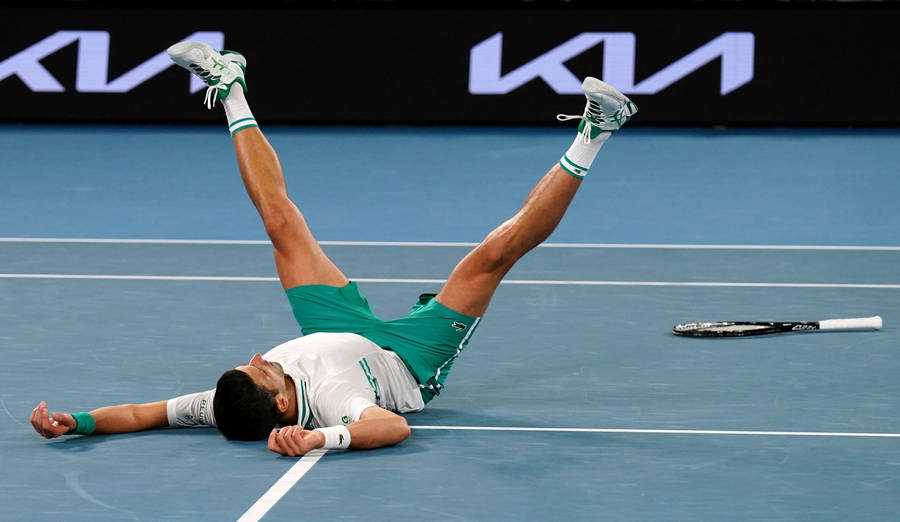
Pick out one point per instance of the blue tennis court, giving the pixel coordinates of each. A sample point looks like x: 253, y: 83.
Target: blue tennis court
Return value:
x: 133, y: 268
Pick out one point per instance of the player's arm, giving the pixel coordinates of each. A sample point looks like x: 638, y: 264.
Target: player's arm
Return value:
x: 123, y: 418
x: 375, y: 428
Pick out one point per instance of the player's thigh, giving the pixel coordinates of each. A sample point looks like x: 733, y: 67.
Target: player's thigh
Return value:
x: 298, y: 257
x: 307, y: 267
x: 471, y: 285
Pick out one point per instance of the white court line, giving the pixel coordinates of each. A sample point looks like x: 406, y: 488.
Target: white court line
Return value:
x: 128, y: 277
x: 449, y: 244
x: 293, y: 475
x: 126, y: 241
x: 665, y: 432
x: 441, y: 281
x: 697, y: 284
x: 284, y: 484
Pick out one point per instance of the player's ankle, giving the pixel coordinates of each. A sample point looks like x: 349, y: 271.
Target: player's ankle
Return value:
x: 237, y: 110
x: 581, y: 154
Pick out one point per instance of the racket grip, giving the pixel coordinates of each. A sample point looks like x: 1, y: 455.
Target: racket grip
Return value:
x: 859, y: 323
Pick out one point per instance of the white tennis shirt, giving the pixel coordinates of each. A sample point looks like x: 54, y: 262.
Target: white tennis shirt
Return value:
x: 336, y: 376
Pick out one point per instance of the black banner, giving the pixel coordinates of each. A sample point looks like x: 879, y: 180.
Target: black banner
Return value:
x: 833, y: 65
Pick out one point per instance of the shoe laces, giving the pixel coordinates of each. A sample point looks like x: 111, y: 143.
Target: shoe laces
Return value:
x: 215, y: 84
x: 212, y: 95
x: 593, y: 115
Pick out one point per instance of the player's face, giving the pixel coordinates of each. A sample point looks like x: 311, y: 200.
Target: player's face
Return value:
x: 265, y: 373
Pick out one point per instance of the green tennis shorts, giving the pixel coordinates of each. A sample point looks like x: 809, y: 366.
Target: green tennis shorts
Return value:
x: 427, y: 340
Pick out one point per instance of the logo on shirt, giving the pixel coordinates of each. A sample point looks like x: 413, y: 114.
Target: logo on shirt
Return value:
x: 458, y: 326
x: 346, y: 420
x: 203, y: 412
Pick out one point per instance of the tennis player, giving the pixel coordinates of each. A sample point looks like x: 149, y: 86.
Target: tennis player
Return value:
x: 343, y: 383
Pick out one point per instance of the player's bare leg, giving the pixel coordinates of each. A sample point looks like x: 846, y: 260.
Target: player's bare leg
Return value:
x: 472, y: 283
x: 298, y: 257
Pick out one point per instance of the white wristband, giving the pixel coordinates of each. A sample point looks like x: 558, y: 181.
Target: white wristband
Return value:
x: 336, y: 437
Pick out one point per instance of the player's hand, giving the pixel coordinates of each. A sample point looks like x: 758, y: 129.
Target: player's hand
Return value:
x: 49, y: 426
x: 294, y: 441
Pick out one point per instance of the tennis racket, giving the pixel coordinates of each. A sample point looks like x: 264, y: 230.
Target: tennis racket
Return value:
x: 746, y: 328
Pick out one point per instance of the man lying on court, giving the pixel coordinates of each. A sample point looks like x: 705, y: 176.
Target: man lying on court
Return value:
x: 343, y: 382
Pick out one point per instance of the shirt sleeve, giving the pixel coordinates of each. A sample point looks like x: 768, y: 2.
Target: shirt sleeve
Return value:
x: 193, y: 410
x: 341, y: 400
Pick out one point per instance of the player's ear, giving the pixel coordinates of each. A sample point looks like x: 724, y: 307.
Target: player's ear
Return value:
x: 281, y: 402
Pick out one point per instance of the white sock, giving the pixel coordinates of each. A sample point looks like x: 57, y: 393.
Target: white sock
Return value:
x: 237, y: 110
x: 578, y: 159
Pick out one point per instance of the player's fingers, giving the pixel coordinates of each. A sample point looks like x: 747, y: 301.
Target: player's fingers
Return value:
x: 279, y: 442
x: 35, y: 419
x: 65, y: 419
x: 42, y: 422
x: 58, y: 424
x: 289, y: 441
x: 273, y: 442
x: 285, y: 440
x: 47, y: 419
x: 296, y: 441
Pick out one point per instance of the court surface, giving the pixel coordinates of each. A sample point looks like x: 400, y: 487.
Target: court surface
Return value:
x: 133, y: 268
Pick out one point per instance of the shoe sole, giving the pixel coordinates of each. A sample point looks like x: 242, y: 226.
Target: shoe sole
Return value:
x: 178, y: 52
x: 592, y: 85
x: 595, y: 88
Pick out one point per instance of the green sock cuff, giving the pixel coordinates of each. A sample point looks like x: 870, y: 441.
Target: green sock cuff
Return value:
x: 572, y: 168
x: 241, y: 124
x: 85, y: 423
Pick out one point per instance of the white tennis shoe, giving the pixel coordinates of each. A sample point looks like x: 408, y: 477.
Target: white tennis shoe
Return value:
x: 606, y: 111
x: 219, y: 70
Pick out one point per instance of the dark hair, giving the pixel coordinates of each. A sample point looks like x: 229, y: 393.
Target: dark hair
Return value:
x: 243, y: 409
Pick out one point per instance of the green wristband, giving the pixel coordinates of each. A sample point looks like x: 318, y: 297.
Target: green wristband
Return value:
x: 85, y: 424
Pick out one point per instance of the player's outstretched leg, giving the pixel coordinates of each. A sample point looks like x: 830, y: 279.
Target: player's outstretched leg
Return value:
x: 472, y: 283
x: 298, y: 257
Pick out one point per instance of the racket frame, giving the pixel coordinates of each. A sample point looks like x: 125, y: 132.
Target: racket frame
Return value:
x: 733, y: 328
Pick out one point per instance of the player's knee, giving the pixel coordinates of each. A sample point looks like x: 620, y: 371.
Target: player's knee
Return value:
x: 498, y: 255
x: 278, y: 218
x: 275, y: 225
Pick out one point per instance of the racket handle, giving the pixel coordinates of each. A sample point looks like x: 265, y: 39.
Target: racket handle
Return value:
x: 860, y: 323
